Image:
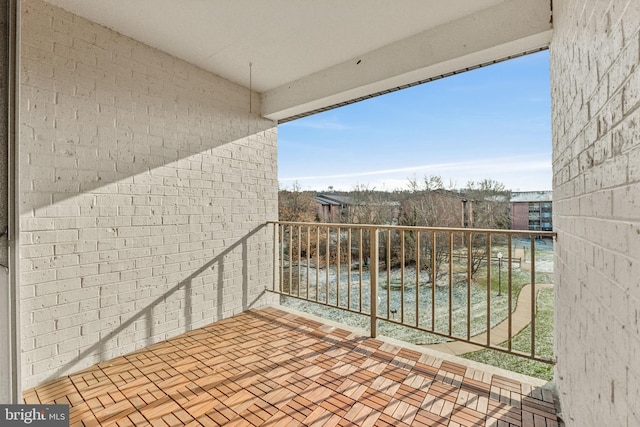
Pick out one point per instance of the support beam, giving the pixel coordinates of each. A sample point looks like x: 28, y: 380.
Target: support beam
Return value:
x: 508, y: 29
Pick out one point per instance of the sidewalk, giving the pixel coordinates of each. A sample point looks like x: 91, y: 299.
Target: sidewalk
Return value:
x: 500, y: 333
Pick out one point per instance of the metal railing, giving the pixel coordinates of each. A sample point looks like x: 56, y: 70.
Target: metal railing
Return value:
x: 436, y: 280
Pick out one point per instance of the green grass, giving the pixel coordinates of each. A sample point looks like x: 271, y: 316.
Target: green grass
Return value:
x: 544, y: 344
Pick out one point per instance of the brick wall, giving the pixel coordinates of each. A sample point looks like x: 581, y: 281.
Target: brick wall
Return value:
x: 595, y: 71
x: 520, y: 216
x: 145, y: 184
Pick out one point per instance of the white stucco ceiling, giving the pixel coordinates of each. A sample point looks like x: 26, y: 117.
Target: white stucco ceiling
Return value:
x: 304, y: 52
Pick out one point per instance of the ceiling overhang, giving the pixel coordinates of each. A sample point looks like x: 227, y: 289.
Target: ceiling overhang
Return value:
x: 307, y: 56
x: 506, y: 30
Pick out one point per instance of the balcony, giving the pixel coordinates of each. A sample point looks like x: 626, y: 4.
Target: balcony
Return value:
x: 277, y: 366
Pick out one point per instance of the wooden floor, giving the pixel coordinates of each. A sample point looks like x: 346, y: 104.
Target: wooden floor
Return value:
x: 269, y: 367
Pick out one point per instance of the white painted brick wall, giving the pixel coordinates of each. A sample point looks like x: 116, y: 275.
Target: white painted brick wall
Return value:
x: 143, y: 182
x: 595, y: 68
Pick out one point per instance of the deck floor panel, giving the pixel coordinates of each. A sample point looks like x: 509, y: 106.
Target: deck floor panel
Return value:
x: 272, y: 367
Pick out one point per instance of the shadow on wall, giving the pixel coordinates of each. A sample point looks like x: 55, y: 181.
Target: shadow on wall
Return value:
x: 142, y: 109
x: 124, y: 167
x: 146, y: 313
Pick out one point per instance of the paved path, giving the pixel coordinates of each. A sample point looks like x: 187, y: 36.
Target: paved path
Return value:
x: 500, y: 333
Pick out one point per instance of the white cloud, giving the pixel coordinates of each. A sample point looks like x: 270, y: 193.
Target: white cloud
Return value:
x: 523, y: 173
x: 521, y: 164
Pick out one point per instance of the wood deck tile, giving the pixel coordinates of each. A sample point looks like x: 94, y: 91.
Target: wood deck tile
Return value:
x: 444, y: 391
x: 425, y: 370
x: 427, y: 418
x: 410, y: 395
x: 282, y: 419
x: 385, y: 420
x: 467, y: 417
x: 363, y: 376
x: 183, y: 416
x: 222, y: 413
x: 506, y: 383
x: 394, y: 373
x: 268, y: 367
x: 352, y: 389
x: 409, y: 354
x: 375, y: 398
x: 454, y: 368
x: 338, y: 404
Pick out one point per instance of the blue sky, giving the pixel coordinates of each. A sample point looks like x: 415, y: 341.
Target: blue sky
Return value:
x: 493, y: 122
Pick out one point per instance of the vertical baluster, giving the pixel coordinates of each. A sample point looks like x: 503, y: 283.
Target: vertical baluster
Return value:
x: 281, y: 255
x: 360, y: 249
x: 317, y: 263
x: 402, y: 261
x: 469, y: 270
x: 533, y: 295
x: 450, y: 282
x: 417, y: 277
x: 299, y: 258
x: 308, y: 257
x: 488, y: 288
x: 338, y: 268
x: 373, y: 279
x: 433, y: 280
x: 290, y: 258
x: 509, y: 241
x: 327, y: 257
x: 387, y: 264
x: 349, y: 269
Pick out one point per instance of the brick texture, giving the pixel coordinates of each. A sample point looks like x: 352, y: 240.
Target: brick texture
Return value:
x: 145, y: 186
x: 595, y: 69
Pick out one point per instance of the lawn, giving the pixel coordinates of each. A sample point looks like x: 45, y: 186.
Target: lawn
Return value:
x: 544, y: 344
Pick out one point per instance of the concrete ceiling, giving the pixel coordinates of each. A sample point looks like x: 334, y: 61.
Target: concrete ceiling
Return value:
x: 309, y: 54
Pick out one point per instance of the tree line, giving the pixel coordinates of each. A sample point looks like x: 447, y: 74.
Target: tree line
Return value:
x: 425, y: 203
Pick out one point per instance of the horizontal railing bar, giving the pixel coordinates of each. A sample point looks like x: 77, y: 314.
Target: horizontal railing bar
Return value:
x: 417, y: 228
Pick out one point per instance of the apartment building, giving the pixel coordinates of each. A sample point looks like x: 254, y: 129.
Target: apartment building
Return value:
x: 531, y: 210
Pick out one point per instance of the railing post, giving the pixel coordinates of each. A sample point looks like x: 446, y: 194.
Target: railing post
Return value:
x: 276, y: 251
x: 533, y: 295
x: 373, y: 280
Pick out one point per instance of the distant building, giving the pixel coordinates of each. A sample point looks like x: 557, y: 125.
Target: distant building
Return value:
x: 332, y: 208
x: 531, y: 210
x: 369, y: 209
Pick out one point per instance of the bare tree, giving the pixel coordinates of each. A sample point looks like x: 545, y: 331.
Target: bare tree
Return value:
x: 369, y: 206
x: 430, y: 204
x: 297, y: 205
x: 488, y: 203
